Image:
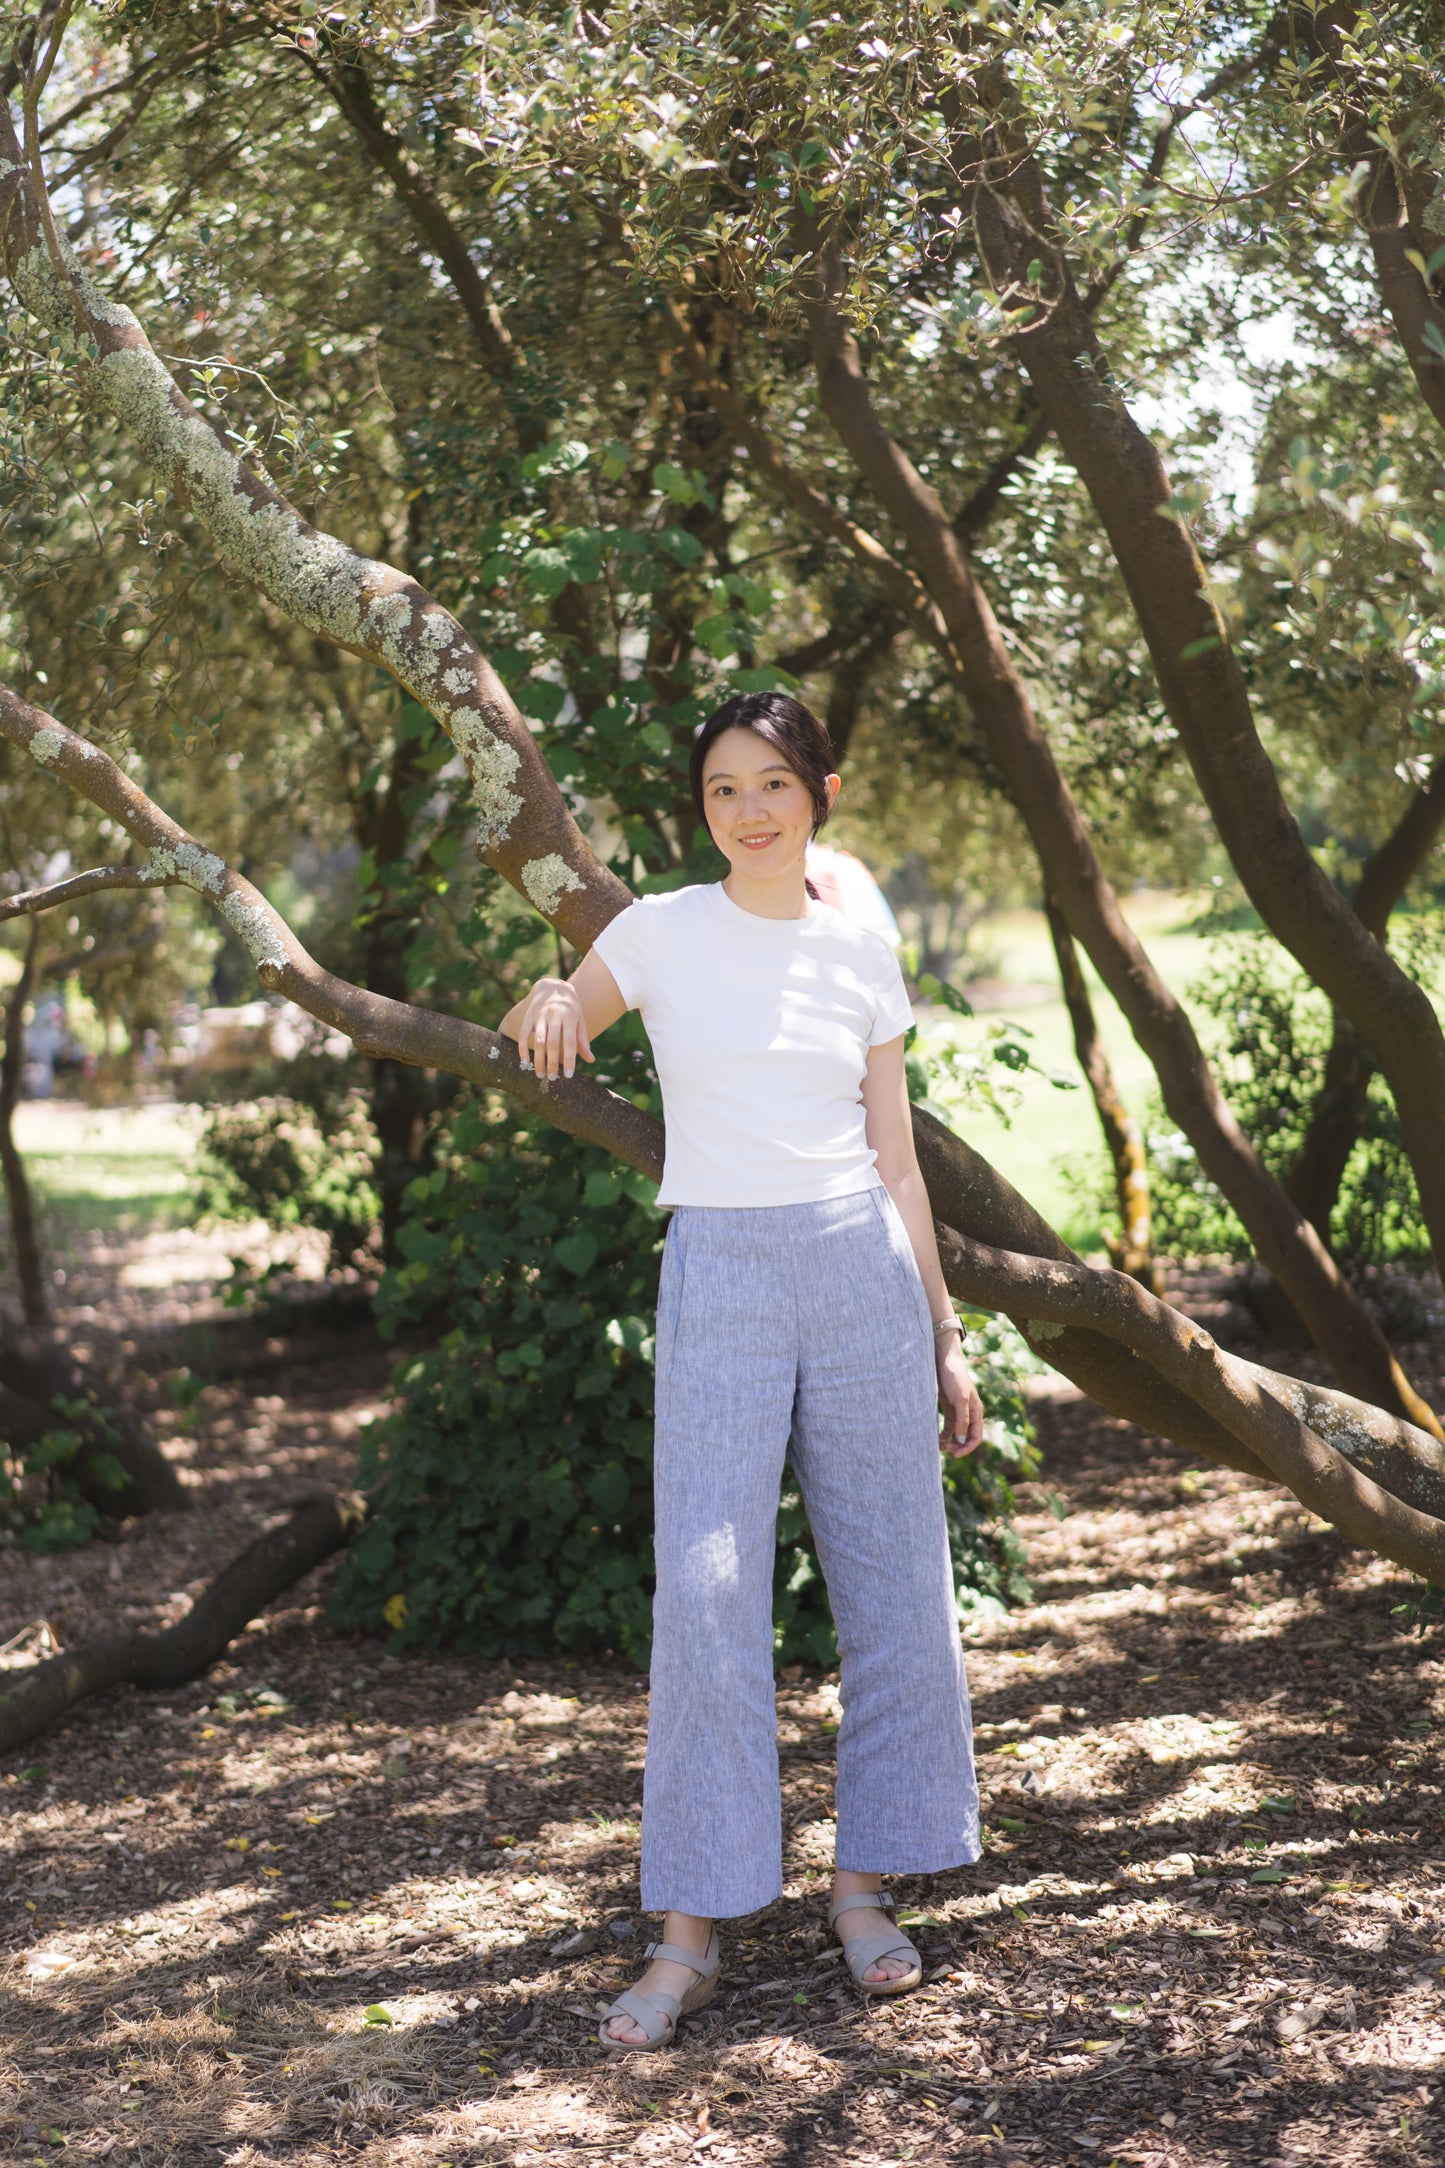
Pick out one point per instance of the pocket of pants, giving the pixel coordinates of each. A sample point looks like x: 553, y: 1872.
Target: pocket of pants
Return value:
x: 900, y: 1249
x: 670, y: 1290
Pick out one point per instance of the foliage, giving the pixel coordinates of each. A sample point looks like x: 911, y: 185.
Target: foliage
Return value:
x: 512, y: 1492
x: 293, y: 1164
x: 512, y: 1486
x: 43, y: 1505
x: 1271, y: 1033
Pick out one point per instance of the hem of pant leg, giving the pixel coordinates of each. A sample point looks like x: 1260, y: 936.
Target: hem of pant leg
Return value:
x: 912, y: 1862
x: 711, y: 1904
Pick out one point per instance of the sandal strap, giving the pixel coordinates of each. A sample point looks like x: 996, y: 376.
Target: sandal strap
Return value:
x: 866, y: 1950
x: 874, y: 1897
x: 656, y: 2013
x: 704, y: 1963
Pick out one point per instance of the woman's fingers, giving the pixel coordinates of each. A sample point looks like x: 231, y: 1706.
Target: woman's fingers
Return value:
x: 963, y: 1429
x: 553, y: 1034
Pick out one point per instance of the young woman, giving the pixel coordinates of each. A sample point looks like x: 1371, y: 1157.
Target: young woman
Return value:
x: 803, y: 1312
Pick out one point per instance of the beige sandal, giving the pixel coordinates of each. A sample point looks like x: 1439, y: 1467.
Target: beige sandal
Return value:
x: 864, y: 1950
x: 657, y: 2013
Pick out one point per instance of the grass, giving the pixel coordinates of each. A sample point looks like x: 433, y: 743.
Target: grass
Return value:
x: 108, y: 1170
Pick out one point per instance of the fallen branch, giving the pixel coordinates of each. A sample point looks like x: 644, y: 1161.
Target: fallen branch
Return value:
x: 262, y: 1572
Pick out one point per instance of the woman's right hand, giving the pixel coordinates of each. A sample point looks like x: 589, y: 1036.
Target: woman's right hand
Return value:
x: 552, y: 1030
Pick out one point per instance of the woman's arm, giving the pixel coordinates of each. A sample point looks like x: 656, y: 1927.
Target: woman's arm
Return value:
x: 889, y: 1124
x: 559, y: 1018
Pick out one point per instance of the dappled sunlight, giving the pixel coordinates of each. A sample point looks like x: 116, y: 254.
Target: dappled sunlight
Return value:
x: 327, y: 1903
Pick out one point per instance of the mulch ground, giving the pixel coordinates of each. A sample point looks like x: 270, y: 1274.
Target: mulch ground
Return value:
x: 328, y: 1905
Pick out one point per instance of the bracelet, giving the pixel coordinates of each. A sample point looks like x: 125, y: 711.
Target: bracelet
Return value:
x: 950, y: 1324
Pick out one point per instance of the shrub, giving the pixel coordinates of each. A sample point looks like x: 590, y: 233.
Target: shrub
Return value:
x: 44, y: 1504
x: 512, y: 1485
x: 292, y: 1164
x: 1269, y: 1030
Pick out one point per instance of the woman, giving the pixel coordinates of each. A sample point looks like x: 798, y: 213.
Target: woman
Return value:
x: 802, y: 1311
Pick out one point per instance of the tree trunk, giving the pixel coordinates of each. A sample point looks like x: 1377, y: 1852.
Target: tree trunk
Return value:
x: 1341, y: 1112
x: 19, y: 1198
x: 1202, y: 683
x: 1132, y: 1249
x: 43, y: 1387
x: 1288, y: 1247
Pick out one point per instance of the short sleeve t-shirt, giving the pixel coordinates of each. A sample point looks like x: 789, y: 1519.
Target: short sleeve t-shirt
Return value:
x: 760, y: 1029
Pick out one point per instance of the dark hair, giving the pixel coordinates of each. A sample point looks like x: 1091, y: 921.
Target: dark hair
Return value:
x: 784, y: 723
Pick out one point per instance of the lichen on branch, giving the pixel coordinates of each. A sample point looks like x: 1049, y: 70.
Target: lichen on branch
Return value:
x: 318, y: 581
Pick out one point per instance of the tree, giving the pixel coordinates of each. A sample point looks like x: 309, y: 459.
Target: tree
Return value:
x: 798, y: 202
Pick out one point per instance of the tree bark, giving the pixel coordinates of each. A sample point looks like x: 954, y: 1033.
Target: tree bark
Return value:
x: 524, y: 828
x: 263, y: 1571
x: 1199, y: 675
x: 19, y: 1198
x: 1286, y: 1244
x: 1132, y: 1249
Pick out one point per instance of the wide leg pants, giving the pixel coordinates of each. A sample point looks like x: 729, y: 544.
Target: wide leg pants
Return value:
x: 800, y: 1331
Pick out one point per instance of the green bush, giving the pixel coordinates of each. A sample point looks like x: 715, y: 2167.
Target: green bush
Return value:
x: 44, y: 1506
x: 292, y: 1164
x: 512, y: 1486
x: 1269, y: 1028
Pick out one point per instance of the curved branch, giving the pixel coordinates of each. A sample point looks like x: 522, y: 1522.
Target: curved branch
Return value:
x: 378, y: 1025
x: 262, y: 1572
x: 524, y: 828
x: 1237, y: 1394
x: 33, y: 900
x: 903, y: 588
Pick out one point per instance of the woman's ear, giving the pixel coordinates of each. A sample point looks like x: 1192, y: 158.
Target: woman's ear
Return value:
x: 832, y: 784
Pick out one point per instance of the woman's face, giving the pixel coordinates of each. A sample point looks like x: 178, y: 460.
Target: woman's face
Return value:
x: 759, y: 811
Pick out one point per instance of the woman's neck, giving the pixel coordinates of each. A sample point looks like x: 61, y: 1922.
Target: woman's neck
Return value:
x: 783, y: 895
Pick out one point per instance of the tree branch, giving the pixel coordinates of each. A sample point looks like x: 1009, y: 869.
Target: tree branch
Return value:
x: 1289, y: 1247
x: 525, y: 830
x: 33, y: 900
x: 1199, y: 675
x: 1236, y: 1394
x: 263, y: 1571
x: 378, y: 1025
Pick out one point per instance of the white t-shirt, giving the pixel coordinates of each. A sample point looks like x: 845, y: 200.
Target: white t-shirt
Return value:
x: 760, y: 1029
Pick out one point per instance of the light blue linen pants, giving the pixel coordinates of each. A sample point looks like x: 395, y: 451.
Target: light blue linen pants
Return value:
x: 801, y: 1331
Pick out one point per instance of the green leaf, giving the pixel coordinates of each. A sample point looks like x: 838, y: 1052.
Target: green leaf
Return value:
x: 610, y: 1490
x: 674, y: 483
x: 378, y: 2014
x: 577, y: 1252
x: 1434, y: 340
x: 933, y: 989
x: 1267, y: 1874
x: 1200, y: 647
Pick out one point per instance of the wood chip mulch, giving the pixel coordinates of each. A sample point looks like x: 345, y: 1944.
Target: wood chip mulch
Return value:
x: 326, y: 1905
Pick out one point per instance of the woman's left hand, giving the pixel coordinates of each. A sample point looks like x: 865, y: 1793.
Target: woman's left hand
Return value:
x: 958, y: 1396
